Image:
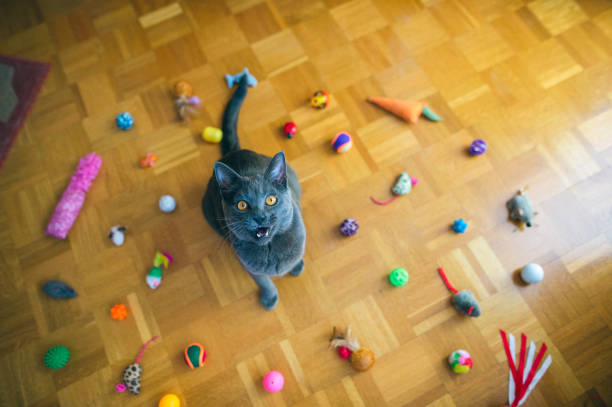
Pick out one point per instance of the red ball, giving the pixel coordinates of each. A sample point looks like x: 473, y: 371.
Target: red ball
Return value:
x: 290, y: 129
x: 343, y: 352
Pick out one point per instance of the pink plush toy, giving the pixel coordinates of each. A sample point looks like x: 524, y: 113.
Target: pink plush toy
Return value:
x: 71, y: 202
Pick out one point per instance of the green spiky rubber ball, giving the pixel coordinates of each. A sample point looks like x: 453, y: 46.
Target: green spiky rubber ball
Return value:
x: 57, y: 357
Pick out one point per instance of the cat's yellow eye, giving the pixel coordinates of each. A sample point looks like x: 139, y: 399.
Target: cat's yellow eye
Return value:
x: 271, y: 200
x: 242, y: 205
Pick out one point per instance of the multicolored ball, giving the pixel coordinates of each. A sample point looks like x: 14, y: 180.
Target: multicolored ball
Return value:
x: 125, y: 121
x: 320, y: 99
x: 460, y: 361
x: 478, y: 147
x: 349, y: 227
x: 195, y: 355
x: 342, y: 142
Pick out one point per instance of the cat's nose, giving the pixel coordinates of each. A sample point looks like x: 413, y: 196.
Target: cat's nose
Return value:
x: 259, y: 219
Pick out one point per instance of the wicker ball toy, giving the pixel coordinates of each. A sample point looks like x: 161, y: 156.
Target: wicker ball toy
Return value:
x: 124, y: 121
x: 362, y: 359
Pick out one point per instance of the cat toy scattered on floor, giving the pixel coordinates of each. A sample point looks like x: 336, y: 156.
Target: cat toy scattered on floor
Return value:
x: 133, y: 373
x: 525, y: 375
x: 348, y: 346
x: 187, y: 103
x: 463, y: 300
x: 160, y: 262
x: 521, y: 209
x: 407, y: 110
x: 402, y: 186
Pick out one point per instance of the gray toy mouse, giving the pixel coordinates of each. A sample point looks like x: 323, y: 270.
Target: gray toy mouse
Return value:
x: 520, y: 208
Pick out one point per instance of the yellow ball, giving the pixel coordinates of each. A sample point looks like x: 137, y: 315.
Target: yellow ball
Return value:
x: 170, y: 400
x: 212, y: 134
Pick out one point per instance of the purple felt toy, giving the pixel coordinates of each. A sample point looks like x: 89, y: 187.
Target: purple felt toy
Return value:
x: 349, y: 227
x: 72, y: 200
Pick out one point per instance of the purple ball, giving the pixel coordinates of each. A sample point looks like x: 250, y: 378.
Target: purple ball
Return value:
x: 349, y: 227
x: 478, y: 147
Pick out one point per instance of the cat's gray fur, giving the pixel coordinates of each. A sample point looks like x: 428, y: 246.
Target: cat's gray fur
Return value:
x: 268, y: 240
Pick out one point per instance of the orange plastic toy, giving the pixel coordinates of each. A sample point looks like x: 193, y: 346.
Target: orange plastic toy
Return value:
x: 408, y: 110
x: 118, y: 312
x: 148, y: 160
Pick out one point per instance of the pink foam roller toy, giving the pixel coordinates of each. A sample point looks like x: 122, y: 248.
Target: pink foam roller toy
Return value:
x: 71, y: 202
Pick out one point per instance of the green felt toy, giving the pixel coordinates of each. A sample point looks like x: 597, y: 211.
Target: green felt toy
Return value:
x: 403, y: 185
x: 57, y: 357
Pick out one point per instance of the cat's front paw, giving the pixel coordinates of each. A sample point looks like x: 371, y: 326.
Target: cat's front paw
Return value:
x: 297, y: 270
x: 269, y: 299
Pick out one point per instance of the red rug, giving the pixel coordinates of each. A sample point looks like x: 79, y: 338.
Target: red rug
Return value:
x: 20, y: 83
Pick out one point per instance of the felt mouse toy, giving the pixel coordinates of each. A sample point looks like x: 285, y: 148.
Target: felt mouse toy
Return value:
x: 463, y: 300
x: 521, y: 209
x: 133, y: 373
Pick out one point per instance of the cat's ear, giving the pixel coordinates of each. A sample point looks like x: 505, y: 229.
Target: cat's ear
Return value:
x: 277, y: 170
x: 227, y: 178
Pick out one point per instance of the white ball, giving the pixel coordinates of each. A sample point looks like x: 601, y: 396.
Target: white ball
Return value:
x: 167, y: 203
x: 532, y: 273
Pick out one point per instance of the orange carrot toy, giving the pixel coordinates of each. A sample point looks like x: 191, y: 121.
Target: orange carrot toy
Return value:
x: 408, y: 110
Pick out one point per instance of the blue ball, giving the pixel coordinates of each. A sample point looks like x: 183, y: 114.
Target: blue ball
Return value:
x: 125, y: 121
x: 478, y: 147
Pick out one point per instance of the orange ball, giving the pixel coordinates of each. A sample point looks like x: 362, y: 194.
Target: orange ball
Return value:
x: 170, y: 400
x: 118, y: 312
x: 183, y: 88
x: 362, y: 359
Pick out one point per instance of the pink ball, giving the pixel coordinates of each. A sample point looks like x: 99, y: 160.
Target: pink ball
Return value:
x: 273, y: 381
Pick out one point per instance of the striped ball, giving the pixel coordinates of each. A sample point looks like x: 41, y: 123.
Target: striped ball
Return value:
x: 342, y: 142
x: 478, y: 147
x: 195, y: 355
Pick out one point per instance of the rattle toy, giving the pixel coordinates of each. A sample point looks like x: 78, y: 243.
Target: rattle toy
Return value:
x: 72, y: 199
x: 463, y: 300
x: 402, y: 186
x: 407, y: 110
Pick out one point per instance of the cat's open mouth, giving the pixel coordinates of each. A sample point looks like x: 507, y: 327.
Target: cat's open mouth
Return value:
x: 262, y: 232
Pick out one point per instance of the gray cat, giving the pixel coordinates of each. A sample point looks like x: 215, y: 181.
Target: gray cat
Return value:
x: 255, y: 200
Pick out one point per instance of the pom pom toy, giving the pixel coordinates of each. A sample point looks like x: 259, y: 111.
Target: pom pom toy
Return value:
x: 398, y: 277
x: 343, y: 352
x: 349, y: 227
x: 212, y: 134
x: 233, y: 79
x: 161, y: 261
x: 72, y: 199
x: 342, y: 142
x: 167, y: 204
x: 521, y: 209
x: 118, y: 312
x: 57, y: 357
x: 169, y: 400
x: 195, y: 355
x: 57, y: 289
x: 463, y: 300
x: 478, y: 147
x: 361, y: 358
x: 532, y: 273
x: 319, y: 99
x: 459, y: 226
x: 273, y: 381
x: 290, y: 129
x: 402, y: 186
x: 124, y: 121
x: 460, y: 361
x: 186, y: 103
x: 148, y: 160
x: 117, y: 235
x: 120, y: 388
x: 524, y: 375
x: 407, y: 110
x: 133, y: 373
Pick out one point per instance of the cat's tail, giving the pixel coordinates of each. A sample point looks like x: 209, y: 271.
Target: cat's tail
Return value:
x: 230, y: 142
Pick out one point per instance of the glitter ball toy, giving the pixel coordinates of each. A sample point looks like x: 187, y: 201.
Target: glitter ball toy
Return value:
x: 125, y: 121
x: 274, y: 381
x: 195, y: 355
x: 478, y: 147
x: 460, y: 361
x: 349, y: 227
x: 342, y: 142
x: 290, y: 129
x: 320, y: 99
x: 398, y: 277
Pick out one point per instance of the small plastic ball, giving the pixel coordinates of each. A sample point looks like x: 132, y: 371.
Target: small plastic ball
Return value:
x: 532, y: 273
x: 290, y: 129
x: 273, y: 381
x: 398, y: 277
x: 125, y: 121
x: 460, y: 361
x: 195, y: 355
x: 212, y: 134
x: 362, y: 359
x: 57, y: 357
x: 342, y: 142
x: 167, y: 204
x: 349, y: 227
x: 320, y: 99
x: 169, y: 400
x: 343, y: 352
x: 478, y: 147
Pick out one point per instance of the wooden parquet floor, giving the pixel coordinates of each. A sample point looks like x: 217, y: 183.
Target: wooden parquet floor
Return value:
x: 532, y: 78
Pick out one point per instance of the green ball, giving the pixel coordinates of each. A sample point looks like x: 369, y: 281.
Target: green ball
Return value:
x: 57, y: 357
x: 398, y: 277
